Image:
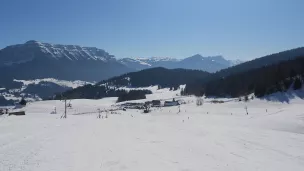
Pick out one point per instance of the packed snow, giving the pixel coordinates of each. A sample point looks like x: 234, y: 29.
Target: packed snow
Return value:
x: 219, y: 137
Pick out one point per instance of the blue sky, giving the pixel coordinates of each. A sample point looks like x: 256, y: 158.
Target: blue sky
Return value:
x: 176, y: 28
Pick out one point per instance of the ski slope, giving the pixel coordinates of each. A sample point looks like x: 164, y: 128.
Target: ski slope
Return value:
x: 217, y: 137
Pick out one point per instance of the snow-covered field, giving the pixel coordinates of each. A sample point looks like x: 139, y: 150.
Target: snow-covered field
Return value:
x: 219, y: 137
x: 72, y: 84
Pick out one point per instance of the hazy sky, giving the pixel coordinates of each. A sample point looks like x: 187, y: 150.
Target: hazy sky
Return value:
x: 176, y: 28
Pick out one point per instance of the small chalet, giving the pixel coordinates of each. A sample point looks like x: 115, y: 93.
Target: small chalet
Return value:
x: 171, y: 103
x: 156, y: 103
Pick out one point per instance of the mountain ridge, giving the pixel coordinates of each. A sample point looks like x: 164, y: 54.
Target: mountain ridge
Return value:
x: 197, y: 61
x: 36, y: 60
x: 52, y: 51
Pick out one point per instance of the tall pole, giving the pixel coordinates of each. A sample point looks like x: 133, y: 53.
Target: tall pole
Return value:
x: 65, y: 106
x: 99, y: 113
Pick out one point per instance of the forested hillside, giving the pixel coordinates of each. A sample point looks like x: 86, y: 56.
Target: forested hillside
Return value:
x: 261, y: 76
x: 96, y: 92
x: 156, y: 76
x: 261, y: 81
x: 256, y: 63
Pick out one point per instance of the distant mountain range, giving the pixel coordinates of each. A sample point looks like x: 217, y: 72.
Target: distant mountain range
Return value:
x: 265, y: 75
x: 33, y: 60
x: 37, y: 60
x: 209, y: 64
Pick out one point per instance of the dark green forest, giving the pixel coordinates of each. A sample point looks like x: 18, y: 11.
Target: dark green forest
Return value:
x: 133, y: 95
x: 156, y: 76
x: 98, y: 92
x: 261, y: 81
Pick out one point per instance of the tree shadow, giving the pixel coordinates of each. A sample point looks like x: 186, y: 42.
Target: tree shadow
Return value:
x: 284, y: 97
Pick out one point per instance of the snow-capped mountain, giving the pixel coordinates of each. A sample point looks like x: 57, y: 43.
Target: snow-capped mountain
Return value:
x: 144, y: 63
x: 33, y: 60
x: 22, y: 53
x: 137, y: 64
x: 210, y: 64
x: 235, y: 62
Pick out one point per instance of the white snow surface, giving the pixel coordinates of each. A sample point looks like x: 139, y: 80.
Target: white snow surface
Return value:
x: 216, y: 137
x: 72, y: 84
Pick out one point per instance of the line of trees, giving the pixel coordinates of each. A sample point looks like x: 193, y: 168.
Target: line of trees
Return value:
x: 166, y: 78
x: 98, y: 92
x: 133, y: 95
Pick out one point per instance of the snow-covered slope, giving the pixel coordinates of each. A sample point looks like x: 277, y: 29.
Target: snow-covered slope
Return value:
x: 144, y: 63
x: 210, y: 64
x: 135, y: 63
x: 71, y: 84
x: 235, y: 62
x: 38, y: 89
x: 213, y: 137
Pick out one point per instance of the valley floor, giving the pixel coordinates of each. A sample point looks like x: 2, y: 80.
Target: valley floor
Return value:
x: 219, y: 137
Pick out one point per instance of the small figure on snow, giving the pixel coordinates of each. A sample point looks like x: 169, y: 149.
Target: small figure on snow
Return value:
x: 246, y: 109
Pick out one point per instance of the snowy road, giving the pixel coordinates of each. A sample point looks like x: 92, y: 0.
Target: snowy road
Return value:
x: 224, y: 139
